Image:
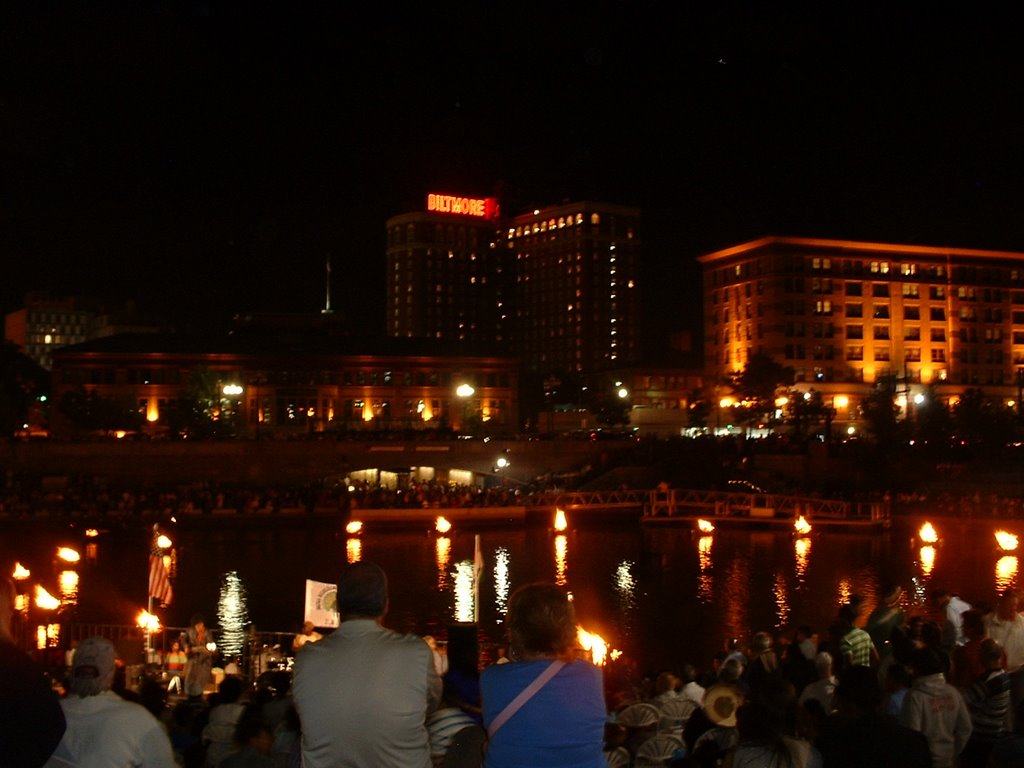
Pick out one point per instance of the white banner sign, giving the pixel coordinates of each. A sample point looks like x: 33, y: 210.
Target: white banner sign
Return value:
x: 322, y: 603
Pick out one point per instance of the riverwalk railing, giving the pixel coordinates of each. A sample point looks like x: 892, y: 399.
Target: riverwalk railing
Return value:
x: 691, y: 504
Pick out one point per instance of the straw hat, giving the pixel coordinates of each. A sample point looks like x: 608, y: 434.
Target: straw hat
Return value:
x: 720, y: 704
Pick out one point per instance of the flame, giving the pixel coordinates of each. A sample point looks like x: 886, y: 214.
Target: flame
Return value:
x: 928, y: 534
x: 354, y: 527
x: 705, y: 526
x: 68, y: 555
x: 595, y: 645
x: 45, y: 600
x: 1007, y: 541
x: 441, y: 525
x: 148, y: 621
x: 801, y: 526
x: 560, y: 522
x: 21, y: 572
x: 92, y: 533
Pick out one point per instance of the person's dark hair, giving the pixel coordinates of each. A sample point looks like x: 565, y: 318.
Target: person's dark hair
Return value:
x: 973, y: 622
x: 927, y: 661
x: 248, y: 729
x: 541, y: 620
x: 363, y: 590
x: 196, y: 618
x: 230, y: 689
x: 990, y: 651
x: 847, y: 614
x: 858, y: 685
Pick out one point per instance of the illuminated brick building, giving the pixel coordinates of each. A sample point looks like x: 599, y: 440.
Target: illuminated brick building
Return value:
x: 295, y: 385
x: 844, y: 315
x: 558, y: 287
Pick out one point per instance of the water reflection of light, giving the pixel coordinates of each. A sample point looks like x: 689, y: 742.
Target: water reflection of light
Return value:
x: 463, y: 590
x: 705, y: 581
x: 802, y: 555
x: 845, y: 591
x: 91, y: 551
x: 781, y: 600
x: 502, y: 581
x: 22, y: 603
x: 67, y: 581
x: 47, y: 636
x: 442, y: 555
x: 353, y: 550
x: 927, y: 560
x: 232, y: 613
x: 561, y: 550
x: 1006, y: 572
x: 625, y: 585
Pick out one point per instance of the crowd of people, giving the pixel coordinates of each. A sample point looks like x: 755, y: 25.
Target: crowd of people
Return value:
x: 942, y: 687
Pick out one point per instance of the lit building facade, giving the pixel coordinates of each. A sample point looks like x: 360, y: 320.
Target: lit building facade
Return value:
x: 577, y: 287
x: 446, y: 279
x: 845, y: 315
x: 47, y: 323
x: 316, y: 385
x: 557, y: 287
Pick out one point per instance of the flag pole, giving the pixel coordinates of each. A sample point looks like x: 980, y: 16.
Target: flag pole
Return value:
x: 149, y: 603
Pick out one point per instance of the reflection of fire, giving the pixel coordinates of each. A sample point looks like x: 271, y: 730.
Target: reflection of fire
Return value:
x: 560, y: 523
x: 927, y: 560
x: 928, y: 534
x: 596, y: 646
x: 441, y: 525
x: 1007, y: 541
x: 801, y: 526
x: 354, y: 527
x: 705, y: 526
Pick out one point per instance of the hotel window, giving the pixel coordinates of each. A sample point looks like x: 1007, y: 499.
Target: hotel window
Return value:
x: 823, y: 307
x: 881, y: 311
x: 911, y: 290
x: 880, y: 267
x: 855, y: 331
x: 880, y: 289
x: 968, y: 314
x: 880, y: 332
x: 993, y: 335
x: 937, y: 292
x: 821, y: 285
x: 912, y: 355
x: 937, y: 313
x: 855, y: 310
x: 882, y: 353
x: 908, y: 269
x: 938, y: 355
x: 856, y: 289
x: 911, y: 334
x: 855, y: 353
x: 911, y: 313
x: 938, y: 334
x: 966, y: 293
x: 1018, y: 337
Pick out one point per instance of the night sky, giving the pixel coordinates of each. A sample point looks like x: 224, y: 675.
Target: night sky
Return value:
x: 205, y: 159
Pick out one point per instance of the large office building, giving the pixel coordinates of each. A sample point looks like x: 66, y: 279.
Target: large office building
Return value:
x: 845, y: 315
x: 558, y: 287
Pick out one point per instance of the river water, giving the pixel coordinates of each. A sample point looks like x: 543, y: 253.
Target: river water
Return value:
x: 661, y: 595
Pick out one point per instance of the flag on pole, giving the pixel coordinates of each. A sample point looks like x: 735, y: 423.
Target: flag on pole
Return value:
x: 159, y: 580
x: 478, y: 570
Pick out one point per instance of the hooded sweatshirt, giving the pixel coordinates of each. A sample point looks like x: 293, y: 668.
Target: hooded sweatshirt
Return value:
x: 936, y: 709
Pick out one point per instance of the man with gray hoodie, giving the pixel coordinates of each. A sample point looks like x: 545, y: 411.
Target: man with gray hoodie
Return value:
x: 936, y: 709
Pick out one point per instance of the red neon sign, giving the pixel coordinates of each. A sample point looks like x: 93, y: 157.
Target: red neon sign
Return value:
x: 478, y: 207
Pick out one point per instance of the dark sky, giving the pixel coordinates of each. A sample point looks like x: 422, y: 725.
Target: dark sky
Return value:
x: 204, y: 159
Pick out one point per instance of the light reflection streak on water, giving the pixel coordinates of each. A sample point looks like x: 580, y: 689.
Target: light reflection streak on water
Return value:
x: 802, y: 553
x: 845, y: 591
x: 561, y: 552
x: 442, y: 555
x: 705, y: 582
x: 463, y: 591
x: 92, y: 551
x: 736, y: 597
x: 625, y: 586
x: 781, y: 600
x: 502, y: 581
x: 353, y: 550
x: 927, y: 560
x: 1006, y: 572
x: 67, y: 582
